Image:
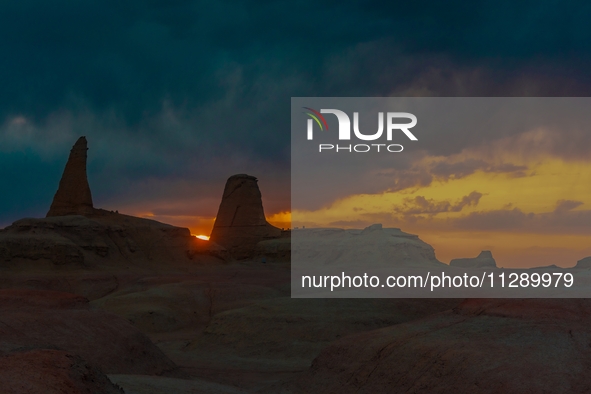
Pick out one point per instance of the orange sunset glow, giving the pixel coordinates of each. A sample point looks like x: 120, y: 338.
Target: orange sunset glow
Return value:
x: 533, y: 212
x: 201, y: 226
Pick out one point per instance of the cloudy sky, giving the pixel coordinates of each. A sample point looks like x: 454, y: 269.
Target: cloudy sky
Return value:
x: 510, y: 175
x: 175, y: 96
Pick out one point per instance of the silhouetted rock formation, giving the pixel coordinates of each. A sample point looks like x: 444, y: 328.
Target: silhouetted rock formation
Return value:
x: 73, y: 196
x: 102, y: 240
x: 240, y: 223
x: 483, y: 260
x: 75, y: 234
x: 584, y: 263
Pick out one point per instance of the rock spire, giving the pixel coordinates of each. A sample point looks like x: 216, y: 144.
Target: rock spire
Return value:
x: 73, y: 196
x: 240, y: 223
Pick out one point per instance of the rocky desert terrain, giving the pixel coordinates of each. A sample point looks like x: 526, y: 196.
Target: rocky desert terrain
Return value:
x: 95, y: 301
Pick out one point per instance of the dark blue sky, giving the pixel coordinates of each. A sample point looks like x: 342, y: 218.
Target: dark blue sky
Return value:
x: 175, y: 96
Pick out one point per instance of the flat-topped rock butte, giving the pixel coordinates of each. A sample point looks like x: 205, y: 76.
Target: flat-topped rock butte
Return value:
x: 483, y: 260
x: 373, y: 246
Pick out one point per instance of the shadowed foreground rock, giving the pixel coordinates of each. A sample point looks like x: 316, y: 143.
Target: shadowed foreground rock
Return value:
x: 286, y: 333
x: 32, y: 319
x: 49, y: 371
x: 73, y: 196
x: 103, y: 240
x: 483, y: 346
x: 240, y: 223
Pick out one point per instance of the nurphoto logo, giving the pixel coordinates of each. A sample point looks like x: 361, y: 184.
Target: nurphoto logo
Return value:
x: 392, y: 125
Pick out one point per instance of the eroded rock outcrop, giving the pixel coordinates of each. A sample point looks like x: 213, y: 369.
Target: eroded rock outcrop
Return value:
x: 73, y: 196
x: 483, y: 260
x: 373, y: 246
x: 49, y: 371
x: 483, y: 346
x: 102, y: 240
x: 584, y: 263
x: 240, y: 223
x: 291, y: 332
x: 52, y: 320
x: 76, y: 235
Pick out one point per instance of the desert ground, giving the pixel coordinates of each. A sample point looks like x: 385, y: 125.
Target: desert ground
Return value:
x: 94, y: 301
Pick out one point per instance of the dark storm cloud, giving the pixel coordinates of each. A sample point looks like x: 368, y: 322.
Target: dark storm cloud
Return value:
x: 502, y: 219
x: 175, y: 96
x: 461, y: 169
x: 564, y: 219
x: 420, y: 205
x: 566, y: 205
x: 420, y: 212
x: 457, y: 137
x: 132, y: 55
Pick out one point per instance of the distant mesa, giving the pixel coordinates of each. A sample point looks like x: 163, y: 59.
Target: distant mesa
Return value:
x: 240, y: 223
x: 73, y: 196
x: 376, y: 245
x: 372, y: 228
x: 483, y: 260
x: 584, y: 263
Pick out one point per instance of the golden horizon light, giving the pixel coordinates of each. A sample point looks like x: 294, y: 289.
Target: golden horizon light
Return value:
x: 533, y: 219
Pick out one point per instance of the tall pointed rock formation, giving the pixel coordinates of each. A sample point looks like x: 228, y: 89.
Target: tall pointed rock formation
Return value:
x: 73, y: 196
x: 240, y: 223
